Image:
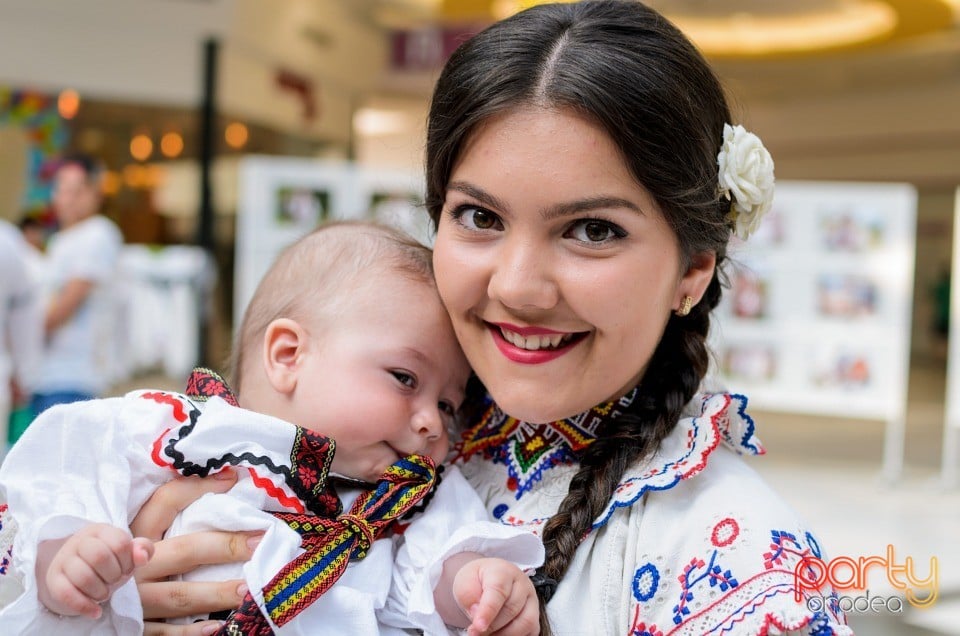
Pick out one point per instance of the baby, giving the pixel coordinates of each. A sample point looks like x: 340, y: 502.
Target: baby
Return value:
x: 347, y: 371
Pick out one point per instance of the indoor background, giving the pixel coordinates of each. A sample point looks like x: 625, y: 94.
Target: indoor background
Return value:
x: 839, y: 90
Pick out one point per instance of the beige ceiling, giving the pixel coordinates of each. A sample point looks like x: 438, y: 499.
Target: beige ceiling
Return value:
x: 889, y: 111
x: 906, y: 58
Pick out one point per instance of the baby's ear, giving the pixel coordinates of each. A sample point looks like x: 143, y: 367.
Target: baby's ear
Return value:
x: 284, y: 343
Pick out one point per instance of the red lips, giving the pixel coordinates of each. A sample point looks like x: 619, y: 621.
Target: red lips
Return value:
x: 525, y: 356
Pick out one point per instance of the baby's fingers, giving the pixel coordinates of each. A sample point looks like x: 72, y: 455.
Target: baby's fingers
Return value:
x: 525, y: 623
x: 67, y: 597
x: 110, y: 553
x: 142, y: 551
x: 519, y: 613
x: 490, y: 606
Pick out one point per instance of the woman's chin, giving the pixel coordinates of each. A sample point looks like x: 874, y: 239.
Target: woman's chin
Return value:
x: 531, y: 407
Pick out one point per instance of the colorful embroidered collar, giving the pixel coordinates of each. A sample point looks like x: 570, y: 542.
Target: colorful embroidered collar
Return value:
x: 720, y: 418
x: 529, y: 449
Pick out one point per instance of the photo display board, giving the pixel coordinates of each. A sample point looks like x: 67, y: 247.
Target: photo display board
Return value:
x: 817, y: 318
x: 951, y: 430
x: 953, y: 355
x: 283, y: 198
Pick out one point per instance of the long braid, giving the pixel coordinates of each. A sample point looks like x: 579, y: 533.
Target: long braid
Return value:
x: 670, y: 382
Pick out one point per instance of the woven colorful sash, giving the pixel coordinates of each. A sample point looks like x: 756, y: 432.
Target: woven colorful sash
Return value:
x: 331, y: 543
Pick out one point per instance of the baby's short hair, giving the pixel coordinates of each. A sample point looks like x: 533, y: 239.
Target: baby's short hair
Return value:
x: 315, y: 276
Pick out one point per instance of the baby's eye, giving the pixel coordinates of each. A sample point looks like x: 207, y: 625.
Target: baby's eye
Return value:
x: 474, y: 218
x: 447, y: 409
x: 405, y: 378
x: 595, y: 231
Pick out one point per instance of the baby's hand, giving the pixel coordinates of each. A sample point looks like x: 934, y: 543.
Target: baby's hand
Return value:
x: 498, y: 597
x: 76, y: 574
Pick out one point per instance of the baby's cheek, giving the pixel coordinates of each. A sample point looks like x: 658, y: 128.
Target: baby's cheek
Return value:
x: 439, y: 450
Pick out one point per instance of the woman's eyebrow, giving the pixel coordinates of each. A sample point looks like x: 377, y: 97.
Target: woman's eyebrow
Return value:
x: 586, y: 205
x: 480, y: 195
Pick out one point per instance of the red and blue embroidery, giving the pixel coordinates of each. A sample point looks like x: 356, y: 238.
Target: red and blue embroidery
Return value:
x: 709, y: 598
x: 6, y: 557
x: 722, y: 419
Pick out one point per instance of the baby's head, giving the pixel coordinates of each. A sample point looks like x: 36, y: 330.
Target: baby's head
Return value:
x: 346, y: 336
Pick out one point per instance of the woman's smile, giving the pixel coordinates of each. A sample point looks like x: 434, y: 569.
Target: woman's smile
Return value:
x: 540, y: 346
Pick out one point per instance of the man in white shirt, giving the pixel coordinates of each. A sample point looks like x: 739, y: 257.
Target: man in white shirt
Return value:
x: 21, y: 324
x: 82, y: 257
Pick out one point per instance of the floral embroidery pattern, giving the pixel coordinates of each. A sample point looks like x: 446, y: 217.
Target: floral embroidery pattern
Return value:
x: 5, y: 561
x: 694, y: 574
x: 712, y: 599
x: 7, y: 555
x: 641, y: 629
x: 784, y: 548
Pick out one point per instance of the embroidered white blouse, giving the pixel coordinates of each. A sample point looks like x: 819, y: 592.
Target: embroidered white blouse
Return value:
x: 99, y: 461
x: 692, y: 543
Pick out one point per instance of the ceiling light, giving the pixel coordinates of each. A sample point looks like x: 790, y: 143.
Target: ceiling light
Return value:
x: 748, y: 28
x: 374, y: 122
x: 68, y: 103
x: 236, y: 135
x: 141, y: 147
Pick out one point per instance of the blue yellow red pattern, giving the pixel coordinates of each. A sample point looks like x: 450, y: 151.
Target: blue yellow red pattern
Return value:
x: 331, y: 543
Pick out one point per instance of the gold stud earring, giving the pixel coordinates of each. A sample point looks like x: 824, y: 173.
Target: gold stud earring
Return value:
x: 685, y: 306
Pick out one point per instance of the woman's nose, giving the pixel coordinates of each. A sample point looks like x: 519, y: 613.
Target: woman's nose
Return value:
x: 522, y: 277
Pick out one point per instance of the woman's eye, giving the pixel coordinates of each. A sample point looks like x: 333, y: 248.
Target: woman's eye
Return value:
x: 595, y: 231
x: 476, y: 218
x: 405, y: 378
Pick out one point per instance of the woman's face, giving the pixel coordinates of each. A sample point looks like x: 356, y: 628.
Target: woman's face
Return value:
x: 558, y: 269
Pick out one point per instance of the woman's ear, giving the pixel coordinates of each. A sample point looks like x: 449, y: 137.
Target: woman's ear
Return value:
x: 284, y: 346
x: 696, y: 279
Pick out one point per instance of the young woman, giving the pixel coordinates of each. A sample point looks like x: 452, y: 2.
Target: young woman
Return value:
x: 585, y: 178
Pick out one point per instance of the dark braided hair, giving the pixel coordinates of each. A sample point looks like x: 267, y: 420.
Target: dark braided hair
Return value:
x: 625, y: 67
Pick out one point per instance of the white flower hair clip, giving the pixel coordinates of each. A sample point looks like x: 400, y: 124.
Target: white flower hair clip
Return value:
x: 746, y: 174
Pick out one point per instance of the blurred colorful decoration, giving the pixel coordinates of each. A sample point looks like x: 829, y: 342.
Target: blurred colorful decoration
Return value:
x: 37, y: 114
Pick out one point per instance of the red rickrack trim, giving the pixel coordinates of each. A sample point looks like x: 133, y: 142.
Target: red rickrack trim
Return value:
x: 165, y: 398
x: 155, y: 453
x: 271, y: 489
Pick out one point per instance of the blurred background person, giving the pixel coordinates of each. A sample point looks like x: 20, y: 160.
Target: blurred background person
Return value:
x: 21, y: 326
x: 80, y: 269
x: 34, y: 233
